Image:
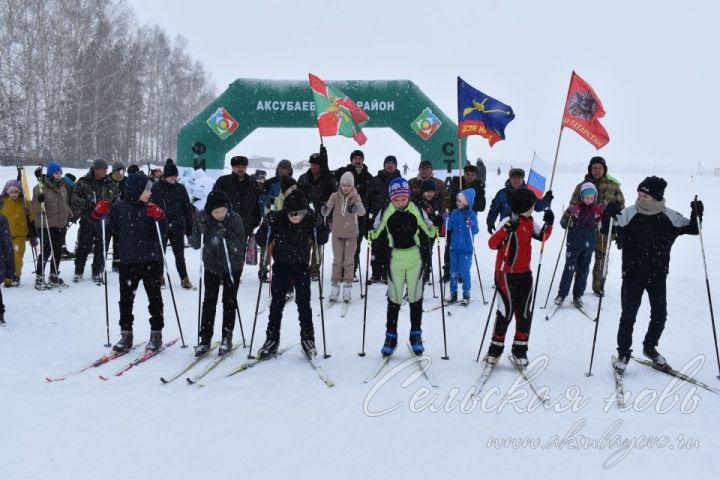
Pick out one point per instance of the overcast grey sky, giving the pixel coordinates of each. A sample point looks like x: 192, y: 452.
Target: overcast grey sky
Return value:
x: 654, y: 65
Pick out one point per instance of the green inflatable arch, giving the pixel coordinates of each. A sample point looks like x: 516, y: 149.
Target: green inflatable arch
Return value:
x: 249, y: 104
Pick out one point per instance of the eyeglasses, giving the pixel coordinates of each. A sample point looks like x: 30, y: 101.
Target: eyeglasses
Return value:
x: 298, y: 213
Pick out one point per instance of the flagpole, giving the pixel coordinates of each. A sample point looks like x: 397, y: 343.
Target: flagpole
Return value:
x: 459, y: 162
x: 557, y: 148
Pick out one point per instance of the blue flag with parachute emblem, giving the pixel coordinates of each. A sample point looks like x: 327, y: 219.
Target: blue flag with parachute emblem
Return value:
x: 480, y: 114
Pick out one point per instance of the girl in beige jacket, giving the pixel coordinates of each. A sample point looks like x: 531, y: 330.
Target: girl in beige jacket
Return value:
x: 345, y: 206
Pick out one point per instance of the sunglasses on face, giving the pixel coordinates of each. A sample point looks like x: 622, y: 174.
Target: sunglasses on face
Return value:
x: 298, y: 213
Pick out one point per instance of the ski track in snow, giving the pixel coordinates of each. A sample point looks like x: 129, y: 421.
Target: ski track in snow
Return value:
x: 278, y: 420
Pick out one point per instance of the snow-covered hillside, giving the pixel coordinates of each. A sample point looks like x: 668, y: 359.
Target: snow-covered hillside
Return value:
x: 279, y: 420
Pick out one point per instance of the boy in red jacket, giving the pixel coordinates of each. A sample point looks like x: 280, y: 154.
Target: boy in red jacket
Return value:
x: 513, y: 277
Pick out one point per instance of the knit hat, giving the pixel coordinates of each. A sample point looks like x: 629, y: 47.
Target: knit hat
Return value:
x: 215, y: 199
x: 425, y: 163
x: 516, y: 172
x: 99, y: 164
x: 170, y: 169
x: 521, y: 200
x: 398, y: 187
x: 238, y: 160
x: 599, y: 160
x: 357, y: 153
x: 314, y: 159
x: 588, y: 188
x: 347, y: 179
x: 133, y: 168
x: 295, y: 201
x: 653, y: 186
x: 52, y: 168
x: 428, y: 186
x: 118, y: 165
x: 390, y: 159
x: 135, y: 185
x: 286, y: 165
x: 286, y: 182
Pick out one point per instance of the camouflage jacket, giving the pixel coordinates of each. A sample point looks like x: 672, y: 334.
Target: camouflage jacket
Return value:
x: 88, y: 191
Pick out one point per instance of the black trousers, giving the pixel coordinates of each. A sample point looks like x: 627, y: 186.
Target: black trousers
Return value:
x: 89, y: 239
x: 515, y: 296
x: 284, y: 278
x: 630, y: 297
x: 426, y: 255
x: 362, y: 226
x: 229, y: 299
x: 380, y: 255
x: 150, y: 274
x: 51, y: 250
x: 177, y: 243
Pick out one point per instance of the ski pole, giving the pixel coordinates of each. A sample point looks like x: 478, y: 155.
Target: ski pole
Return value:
x: 167, y: 273
x: 200, y: 286
x: 707, y: 285
x: 477, y: 267
x: 487, y: 323
x: 322, y: 309
x: 362, y: 295
x: 432, y: 273
x: 442, y: 306
x: 367, y: 266
x: 552, y: 280
x: 234, y: 287
x: 606, y: 263
x: 107, y: 310
x: 257, y: 302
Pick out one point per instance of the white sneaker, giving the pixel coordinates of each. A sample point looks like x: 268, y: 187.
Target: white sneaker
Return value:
x: 334, y: 293
x: 347, y: 292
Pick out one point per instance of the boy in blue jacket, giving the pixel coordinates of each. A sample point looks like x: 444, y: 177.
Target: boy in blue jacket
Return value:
x: 463, y: 224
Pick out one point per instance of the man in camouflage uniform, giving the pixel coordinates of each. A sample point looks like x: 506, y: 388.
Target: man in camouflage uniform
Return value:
x: 608, y: 191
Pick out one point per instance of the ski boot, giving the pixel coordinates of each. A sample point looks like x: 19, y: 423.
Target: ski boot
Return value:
x: 162, y: 282
x: 66, y: 254
x: 263, y: 277
x: 185, y: 283
x: 116, y: 266
x: 390, y: 344
x: 155, y: 342
x: 40, y: 282
x: 416, y: 342
x: 2, y: 319
x: 226, y: 344
x: 465, y: 301
x: 384, y: 278
x: 77, y: 278
x: 373, y: 279
x: 577, y: 301
x: 269, y: 348
x: 202, y: 349
x: 621, y: 363
x: 452, y: 299
x: 347, y: 292
x: 125, y: 342
x: 520, y: 354
x: 494, y: 353
x: 334, y: 293
x: 559, y: 300
x: 651, y: 352
x: 97, y: 278
x: 308, y: 346
x: 56, y: 281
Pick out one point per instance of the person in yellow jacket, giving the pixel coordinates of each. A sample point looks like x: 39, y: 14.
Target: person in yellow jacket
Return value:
x: 21, y: 222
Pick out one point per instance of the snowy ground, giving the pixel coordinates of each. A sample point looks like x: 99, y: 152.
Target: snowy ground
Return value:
x: 280, y: 421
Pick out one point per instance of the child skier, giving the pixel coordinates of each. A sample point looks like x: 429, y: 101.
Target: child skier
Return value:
x: 292, y: 231
x: 22, y: 227
x: 463, y: 224
x: 646, y: 232
x: 345, y: 206
x: 141, y: 257
x: 7, y: 260
x: 513, y: 277
x: 403, y: 220
x: 431, y: 206
x: 222, y: 236
x: 581, y: 221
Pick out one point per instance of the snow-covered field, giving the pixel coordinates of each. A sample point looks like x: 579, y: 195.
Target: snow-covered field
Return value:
x: 280, y: 421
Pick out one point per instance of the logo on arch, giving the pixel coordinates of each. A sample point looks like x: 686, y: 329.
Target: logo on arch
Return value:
x: 426, y: 124
x: 222, y: 123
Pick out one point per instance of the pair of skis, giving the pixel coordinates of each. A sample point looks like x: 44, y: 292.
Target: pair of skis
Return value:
x: 580, y: 309
x: 417, y: 361
x: 522, y: 370
x: 144, y: 357
x: 100, y: 361
x: 343, y: 310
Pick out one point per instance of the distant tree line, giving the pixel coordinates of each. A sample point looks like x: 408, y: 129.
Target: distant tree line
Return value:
x: 81, y: 79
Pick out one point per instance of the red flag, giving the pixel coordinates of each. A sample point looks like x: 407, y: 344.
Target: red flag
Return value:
x: 583, y: 111
x: 336, y: 113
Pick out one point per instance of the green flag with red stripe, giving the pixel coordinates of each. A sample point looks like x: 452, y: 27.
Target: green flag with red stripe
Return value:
x: 336, y: 113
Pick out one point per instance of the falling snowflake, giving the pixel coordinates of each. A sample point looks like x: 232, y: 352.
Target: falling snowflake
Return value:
x: 582, y: 105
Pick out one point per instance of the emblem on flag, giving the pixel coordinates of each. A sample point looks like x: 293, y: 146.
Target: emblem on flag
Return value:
x: 426, y: 124
x: 222, y: 123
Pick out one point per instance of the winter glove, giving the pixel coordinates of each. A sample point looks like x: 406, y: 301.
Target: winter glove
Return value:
x: 511, y: 225
x: 611, y: 210
x: 353, y: 208
x: 437, y: 221
x: 201, y: 224
x: 221, y: 232
x: 324, y: 211
x: 154, y: 211
x: 548, y: 198
x: 102, y: 208
x: 549, y: 217
x: 372, y: 235
x: 434, y: 232
x: 469, y: 223
x: 697, y: 208
x: 323, y: 155
x: 490, y: 228
x: 41, y: 198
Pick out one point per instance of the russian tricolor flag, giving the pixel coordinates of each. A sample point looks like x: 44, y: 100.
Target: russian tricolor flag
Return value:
x: 539, y: 172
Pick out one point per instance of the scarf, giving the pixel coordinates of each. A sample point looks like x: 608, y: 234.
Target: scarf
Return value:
x: 650, y: 207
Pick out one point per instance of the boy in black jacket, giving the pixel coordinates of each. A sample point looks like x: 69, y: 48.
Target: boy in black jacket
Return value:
x: 293, y: 231
x: 646, y: 233
x: 141, y: 257
x: 224, y: 238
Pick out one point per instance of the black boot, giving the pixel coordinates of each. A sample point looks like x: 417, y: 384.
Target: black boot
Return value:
x: 155, y: 342
x: 125, y: 343
x: 269, y: 348
x: 308, y: 346
x: 226, y: 344
x: 202, y: 349
x: 651, y: 352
